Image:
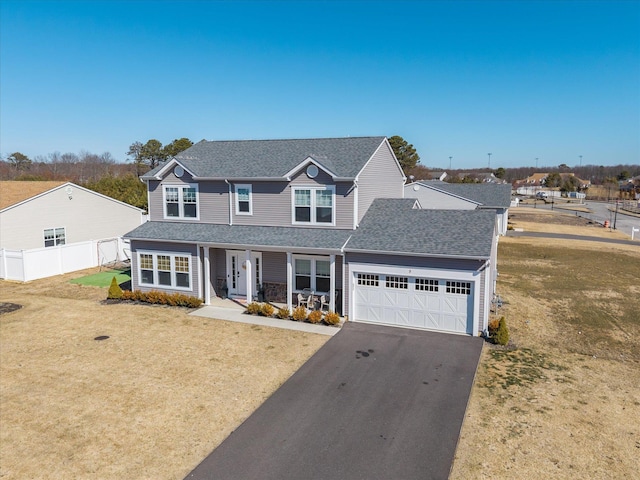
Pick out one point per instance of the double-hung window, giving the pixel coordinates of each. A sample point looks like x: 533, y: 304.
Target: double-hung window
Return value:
x: 313, y: 273
x: 165, y: 270
x: 314, y: 205
x: 181, y: 201
x: 54, y: 237
x: 243, y: 200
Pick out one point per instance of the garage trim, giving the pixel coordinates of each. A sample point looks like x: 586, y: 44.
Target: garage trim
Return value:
x: 410, y: 271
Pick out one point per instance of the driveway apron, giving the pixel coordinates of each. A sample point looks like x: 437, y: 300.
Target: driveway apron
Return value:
x: 373, y: 403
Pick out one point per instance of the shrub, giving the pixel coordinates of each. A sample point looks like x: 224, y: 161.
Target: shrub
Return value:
x: 283, y: 313
x: 115, y: 292
x: 501, y: 336
x: 266, y: 310
x: 331, y: 318
x: 162, y: 298
x: 299, y: 314
x: 254, y: 308
x: 315, y: 316
x: 493, y: 326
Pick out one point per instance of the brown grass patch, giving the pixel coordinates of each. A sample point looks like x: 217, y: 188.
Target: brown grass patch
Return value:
x: 151, y: 401
x: 564, y: 401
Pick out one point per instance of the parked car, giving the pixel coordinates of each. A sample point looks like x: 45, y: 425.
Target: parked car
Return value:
x: 542, y: 195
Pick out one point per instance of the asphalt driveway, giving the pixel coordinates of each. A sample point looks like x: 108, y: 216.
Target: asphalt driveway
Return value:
x: 373, y: 403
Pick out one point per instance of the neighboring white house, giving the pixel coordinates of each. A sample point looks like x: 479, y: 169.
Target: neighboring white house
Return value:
x: 40, y: 218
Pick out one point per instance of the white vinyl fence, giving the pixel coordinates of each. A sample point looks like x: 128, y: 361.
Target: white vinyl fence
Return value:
x: 26, y: 265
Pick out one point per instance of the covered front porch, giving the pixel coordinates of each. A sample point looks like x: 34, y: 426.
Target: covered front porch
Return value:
x: 271, y: 275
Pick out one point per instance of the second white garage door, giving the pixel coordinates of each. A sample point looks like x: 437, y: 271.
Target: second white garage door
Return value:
x: 418, y: 302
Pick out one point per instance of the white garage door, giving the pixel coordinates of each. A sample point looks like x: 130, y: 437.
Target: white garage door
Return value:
x: 418, y: 302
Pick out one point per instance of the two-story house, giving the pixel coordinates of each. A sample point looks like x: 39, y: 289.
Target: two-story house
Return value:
x: 319, y: 214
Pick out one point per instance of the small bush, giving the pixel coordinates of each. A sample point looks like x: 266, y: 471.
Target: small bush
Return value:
x: 162, y: 298
x: 493, y: 326
x: 283, y: 313
x: 267, y: 310
x: 331, y: 318
x: 254, y: 308
x: 315, y: 316
x: 501, y: 336
x: 299, y: 314
x: 115, y: 292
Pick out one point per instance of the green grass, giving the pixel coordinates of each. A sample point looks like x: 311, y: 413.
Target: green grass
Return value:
x: 103, y: 279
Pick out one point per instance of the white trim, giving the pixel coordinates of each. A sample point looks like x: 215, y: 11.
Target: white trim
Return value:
x: 55, y: 244
x: 313, y: 206
x: 248, y: 186
x: 180, y: 187
x: 166, y: 168
x: 313, y: 272
x: 241, y: 259
x: 67, y: 184
x: 444, y: 274
x: 154, y: 254
x: 305, y: 163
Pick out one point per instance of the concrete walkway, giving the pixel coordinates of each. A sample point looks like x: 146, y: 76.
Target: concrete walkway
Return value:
x: 232, y: 311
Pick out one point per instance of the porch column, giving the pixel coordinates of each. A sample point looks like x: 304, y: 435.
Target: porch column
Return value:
x: 249, y: 276
x: 207, y: 276
x: 332, y: 283
x: 289, y: 281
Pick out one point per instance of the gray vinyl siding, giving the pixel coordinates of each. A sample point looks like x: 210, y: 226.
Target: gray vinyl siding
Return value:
x: 271, y: 205
x: 380, y: 178
x: 213, y: 199
x: 165, y: 247
x: 431, y: 199
x: 274, y: 267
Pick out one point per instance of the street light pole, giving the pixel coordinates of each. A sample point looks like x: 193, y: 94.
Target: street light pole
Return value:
x: 450, y: 162
x: 489, y: 160
x: 536, y: 163
x: 580, y: 159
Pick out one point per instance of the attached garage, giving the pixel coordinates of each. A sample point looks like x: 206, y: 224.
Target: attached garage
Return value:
x: 424, y: 269
x: 424, y: 300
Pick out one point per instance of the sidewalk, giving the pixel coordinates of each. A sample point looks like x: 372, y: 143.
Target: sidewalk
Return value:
x: 233, y: 311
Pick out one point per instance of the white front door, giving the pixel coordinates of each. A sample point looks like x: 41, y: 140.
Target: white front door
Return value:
x: 237, y: 271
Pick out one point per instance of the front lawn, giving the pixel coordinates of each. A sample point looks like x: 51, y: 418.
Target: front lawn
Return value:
x: 103, y: 279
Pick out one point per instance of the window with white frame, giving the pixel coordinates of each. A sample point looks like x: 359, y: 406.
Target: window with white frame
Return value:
x: 313, y: 273
x: 314, y: 205
x: 181, y: 201
x: 397, y: 282
x: 54, y: 236
x: 459, y: 288
x: 165, y: 270
x: 368, y: 279
x: 243, y: 200
x: 427, y: 285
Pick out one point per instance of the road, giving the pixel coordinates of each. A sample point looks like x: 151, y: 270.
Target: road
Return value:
x: 600, y: 212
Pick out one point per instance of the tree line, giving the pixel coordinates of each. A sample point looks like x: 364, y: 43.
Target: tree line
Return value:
x: 103, y: 174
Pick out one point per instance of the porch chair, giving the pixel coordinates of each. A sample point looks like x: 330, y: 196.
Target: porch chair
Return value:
x: 324, y: 305
x: 302, y: 301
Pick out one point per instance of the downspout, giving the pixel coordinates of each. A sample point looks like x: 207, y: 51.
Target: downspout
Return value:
x: 355, y: 204
x: 230, y: 203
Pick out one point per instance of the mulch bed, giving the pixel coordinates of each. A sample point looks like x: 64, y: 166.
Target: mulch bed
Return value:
x: 9, y: 307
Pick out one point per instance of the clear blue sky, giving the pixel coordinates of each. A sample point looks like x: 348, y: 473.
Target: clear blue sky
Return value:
x: 519, y: 79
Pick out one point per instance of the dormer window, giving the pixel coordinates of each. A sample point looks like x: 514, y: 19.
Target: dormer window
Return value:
x: 314, y: 205
x: 181, y: 201
x: 243, y: 200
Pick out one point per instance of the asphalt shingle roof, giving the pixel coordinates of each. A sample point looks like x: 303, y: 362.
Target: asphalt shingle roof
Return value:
x: 242, y: 235
x: 392, y: 226
x: 486, y: 194
x: 345, y: 157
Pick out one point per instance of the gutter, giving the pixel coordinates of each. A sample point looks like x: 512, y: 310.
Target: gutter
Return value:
x: 417, y: 254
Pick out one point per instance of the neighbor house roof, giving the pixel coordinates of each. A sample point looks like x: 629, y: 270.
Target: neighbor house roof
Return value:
x: 12, y: 192
x: 488, y: 195
x: 393, y: 226
x: 242, y: 235
x: 342, y: 157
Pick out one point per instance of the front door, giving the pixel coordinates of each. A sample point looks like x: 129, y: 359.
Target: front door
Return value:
x: 237, y: 271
